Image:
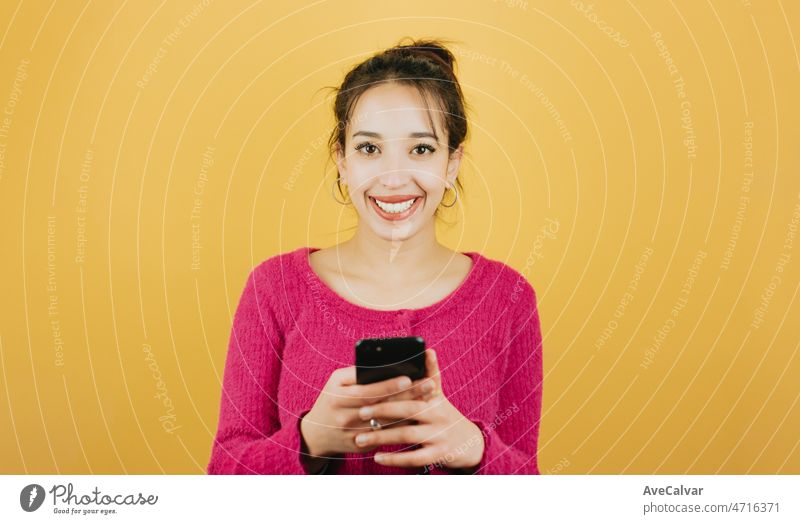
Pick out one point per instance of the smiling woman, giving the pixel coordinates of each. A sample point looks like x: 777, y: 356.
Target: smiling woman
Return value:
x: 414, y: 107
x: 290, y: 401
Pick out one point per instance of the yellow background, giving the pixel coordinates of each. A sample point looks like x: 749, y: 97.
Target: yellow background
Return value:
x: 136, y: 109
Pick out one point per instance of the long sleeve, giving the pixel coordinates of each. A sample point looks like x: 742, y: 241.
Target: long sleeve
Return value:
x: 250, y: 439
x: 511, y: 438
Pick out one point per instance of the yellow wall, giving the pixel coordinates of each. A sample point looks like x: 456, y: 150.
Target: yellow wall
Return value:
x: 591, y: 163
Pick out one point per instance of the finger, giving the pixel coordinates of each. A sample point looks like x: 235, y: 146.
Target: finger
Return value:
x: 400, y: 410
x: 410, y: 434
x: 363, y: 394
x: 416, y: 458
x: 384, y: 422
x: 344, y: 376
x: 432, y: 371
x: 418, y: 390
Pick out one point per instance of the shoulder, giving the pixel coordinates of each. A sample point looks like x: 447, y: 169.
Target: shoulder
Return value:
x: 504, y: 279
x: 275, y: 279
x: 279, y: 268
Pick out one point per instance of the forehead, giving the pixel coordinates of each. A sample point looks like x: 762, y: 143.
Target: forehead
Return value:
x: 394, y: 109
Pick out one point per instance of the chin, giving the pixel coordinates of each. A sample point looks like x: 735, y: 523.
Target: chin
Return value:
x: 395, y: 233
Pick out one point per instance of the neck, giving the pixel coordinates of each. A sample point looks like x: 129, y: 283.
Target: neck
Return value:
x: 393, y: 257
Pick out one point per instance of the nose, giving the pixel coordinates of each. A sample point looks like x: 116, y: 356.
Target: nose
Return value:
x: 395, y: 171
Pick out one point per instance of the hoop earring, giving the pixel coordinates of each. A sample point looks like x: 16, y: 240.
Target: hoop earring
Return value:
x: 454, y: 200
x: 333, y: 194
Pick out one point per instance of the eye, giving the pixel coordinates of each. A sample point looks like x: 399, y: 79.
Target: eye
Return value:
x: 365, y: 148
x: 423, y: 147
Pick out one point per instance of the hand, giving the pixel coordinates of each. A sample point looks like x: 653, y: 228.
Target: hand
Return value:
x: 446, y: 436
x: 329, y: 428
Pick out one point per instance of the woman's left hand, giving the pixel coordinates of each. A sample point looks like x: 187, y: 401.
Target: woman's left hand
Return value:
x: 446, y: 437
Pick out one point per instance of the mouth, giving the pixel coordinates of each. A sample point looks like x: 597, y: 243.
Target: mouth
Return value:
x: 395, y: 210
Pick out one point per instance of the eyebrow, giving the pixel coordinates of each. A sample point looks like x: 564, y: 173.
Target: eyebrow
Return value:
x: 417, y: 134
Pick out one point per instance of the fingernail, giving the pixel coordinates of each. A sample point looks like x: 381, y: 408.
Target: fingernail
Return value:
x: 427, y: 387
x: 378, y: 458
x: 365, y: 412
x: 404, y: 382
x: 434, y: 354
x: 361, y: 440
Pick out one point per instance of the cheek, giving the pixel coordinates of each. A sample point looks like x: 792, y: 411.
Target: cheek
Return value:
x: 433, y: 185
x: 359, y: 177
x: 435, y: 177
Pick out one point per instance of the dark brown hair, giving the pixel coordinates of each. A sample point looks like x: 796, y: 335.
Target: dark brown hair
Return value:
x: 425, y: 64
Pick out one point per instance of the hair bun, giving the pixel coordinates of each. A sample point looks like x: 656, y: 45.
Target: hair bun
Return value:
x: 432, y: 49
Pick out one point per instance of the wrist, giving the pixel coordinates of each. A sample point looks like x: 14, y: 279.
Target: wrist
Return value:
x: 313, y: 461
x: 315, y: 465
x: 309, y: 439
x: 472, y: 457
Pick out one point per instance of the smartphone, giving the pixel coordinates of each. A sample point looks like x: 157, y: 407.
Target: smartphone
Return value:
x: 384, y: 358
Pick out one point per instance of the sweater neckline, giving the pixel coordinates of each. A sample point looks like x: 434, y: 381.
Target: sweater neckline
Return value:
x: 351, y: 308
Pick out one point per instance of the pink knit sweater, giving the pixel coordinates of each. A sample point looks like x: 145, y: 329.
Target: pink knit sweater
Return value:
x: 291, y: 331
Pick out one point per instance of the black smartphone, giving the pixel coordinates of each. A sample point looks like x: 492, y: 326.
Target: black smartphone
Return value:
x: 384, y: 358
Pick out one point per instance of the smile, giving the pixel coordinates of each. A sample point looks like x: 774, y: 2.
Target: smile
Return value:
x: 395, y: 210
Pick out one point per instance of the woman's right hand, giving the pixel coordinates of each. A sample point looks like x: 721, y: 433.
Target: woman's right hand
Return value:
x: 331, y: 425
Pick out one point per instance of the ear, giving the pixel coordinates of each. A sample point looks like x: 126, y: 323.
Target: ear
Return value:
x: 341, y: 162
x: 453, y: 164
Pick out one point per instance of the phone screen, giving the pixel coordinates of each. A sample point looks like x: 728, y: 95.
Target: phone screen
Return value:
x: 384, y: 358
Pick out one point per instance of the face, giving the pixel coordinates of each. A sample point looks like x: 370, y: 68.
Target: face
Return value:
x: 396, y: 167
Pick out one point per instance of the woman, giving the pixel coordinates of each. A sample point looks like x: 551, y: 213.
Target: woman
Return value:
x: 290, y: 402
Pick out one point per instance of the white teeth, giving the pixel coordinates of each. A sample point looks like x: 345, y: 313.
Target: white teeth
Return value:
x: 395, y: 208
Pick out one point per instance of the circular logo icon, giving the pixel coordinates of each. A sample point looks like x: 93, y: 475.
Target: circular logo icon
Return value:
x: 31, y: 497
